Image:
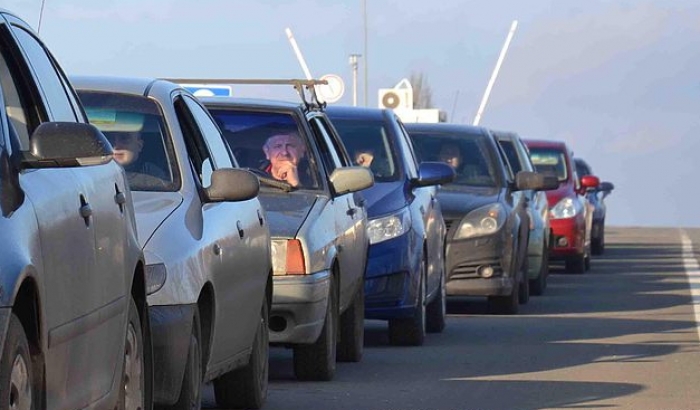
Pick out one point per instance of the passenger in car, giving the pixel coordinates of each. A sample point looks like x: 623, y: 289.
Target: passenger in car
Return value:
x: 285, y: 153
x: 140, y: 172
x: 451, y: 155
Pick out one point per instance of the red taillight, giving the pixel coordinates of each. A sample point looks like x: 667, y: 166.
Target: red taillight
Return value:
x: 295, y: 258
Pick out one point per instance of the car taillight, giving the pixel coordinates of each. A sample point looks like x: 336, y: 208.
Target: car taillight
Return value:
x: 295, y: 258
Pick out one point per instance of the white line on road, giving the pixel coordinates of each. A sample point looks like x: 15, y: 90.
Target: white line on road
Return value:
x: 692, y: 270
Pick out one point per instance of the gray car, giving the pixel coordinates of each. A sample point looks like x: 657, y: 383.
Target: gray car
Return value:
x: 205, y: 238
x: 74, y: 330
x: 318, y: 227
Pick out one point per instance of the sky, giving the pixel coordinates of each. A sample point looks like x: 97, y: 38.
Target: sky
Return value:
x: 619, y: 81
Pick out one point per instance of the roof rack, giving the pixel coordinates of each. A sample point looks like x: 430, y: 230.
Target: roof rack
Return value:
x: 302, y: 87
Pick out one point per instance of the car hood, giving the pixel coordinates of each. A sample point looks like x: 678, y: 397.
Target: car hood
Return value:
x: 455, y: 203
x: 286, y: 212
x: 556, y: 195
x: 385, y: 197
x: 151, y: 209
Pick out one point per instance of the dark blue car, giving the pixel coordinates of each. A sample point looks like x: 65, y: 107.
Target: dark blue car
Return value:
x: 405, y: 275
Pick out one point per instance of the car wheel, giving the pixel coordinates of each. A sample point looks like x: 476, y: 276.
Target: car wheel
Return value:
x: 437, y: 309
x: 317, y: 361
x: 133, y: 377
x: 505, y: 305
x: 411, y: 331
x: 576, y: 263
x: 16, y: 373
x: 190, y: 392
x: 246, y: 387
x: 598, y: 244
x: 352, y: 329
x: 524, y: 285
x: 538, y: 284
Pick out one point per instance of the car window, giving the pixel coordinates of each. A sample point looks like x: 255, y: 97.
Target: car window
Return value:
x: 256, y: 136
x: 549, y: 161
x: 135, y: 127
x: 468, y: 154
x: 409, y: 151
x: 369, y: 145
x: 328, y: 155
x: 57, y: 96
x: 211, y: 133
x: 582, y: 169
x: 512, y: 155
x: 335, y: 140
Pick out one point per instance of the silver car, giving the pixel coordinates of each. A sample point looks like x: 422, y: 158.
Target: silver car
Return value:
x: 318, y: 223
x: 538, y: 211
x: 205, y: 238
x: 74, y: 328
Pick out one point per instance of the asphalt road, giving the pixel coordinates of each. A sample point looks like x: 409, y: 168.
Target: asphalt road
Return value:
x: 621, y: 336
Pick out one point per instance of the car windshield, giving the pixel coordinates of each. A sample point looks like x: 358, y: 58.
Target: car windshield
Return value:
x: 582, y: 168
x: 550, y: 161
x: 369, y: 145
x: 261, y: 141
x: 135, y: 128
x: 467, y: 154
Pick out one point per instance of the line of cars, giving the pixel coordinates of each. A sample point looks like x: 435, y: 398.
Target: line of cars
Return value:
x: 155, y: 241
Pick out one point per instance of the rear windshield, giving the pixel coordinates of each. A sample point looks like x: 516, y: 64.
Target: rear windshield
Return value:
x: 550, y: 161
x: 369, y: 145
x: 135, y: 127
x: 258, y: 138
x: 468, y: 155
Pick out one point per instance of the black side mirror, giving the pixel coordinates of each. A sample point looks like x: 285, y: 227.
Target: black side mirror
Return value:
x: 526, y: 180
x: 233, y: 185
x: 434, y: 173
x: 67, y: 144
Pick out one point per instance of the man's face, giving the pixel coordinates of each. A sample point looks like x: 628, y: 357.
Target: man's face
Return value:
x: 127, y: 148
x: 451, y: 155
x: 280, y: 148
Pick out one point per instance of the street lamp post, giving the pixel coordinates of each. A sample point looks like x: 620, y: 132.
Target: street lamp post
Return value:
x: 364, y: 17
x: 353, y: 65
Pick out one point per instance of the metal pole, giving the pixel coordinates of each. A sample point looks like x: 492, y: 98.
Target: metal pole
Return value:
x: 364, y: 13
x: 353, y: 64
x: 300, y: 57
x: 477, y: 118
x: 41, y: 14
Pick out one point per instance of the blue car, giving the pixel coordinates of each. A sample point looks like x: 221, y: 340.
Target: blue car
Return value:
x: 405, y: 274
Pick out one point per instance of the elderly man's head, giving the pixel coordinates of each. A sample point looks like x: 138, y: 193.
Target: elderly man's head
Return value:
x: 127, y: 147
x: 284, y: 148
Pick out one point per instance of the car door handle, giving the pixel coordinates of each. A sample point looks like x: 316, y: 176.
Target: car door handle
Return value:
x: 241, y: 233
x: 352, y: 212
x: 260, y: 218
x: 216, y: 249
x: 86, y: 211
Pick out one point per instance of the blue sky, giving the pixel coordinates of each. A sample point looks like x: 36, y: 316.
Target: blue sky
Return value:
x: 618, y: 80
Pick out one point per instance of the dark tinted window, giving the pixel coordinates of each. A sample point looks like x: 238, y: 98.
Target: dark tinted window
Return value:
x: 469, y: 155
x: 369, y: 144
x: 549, y: 161
x: 134, y: 125
x: 512, y: 154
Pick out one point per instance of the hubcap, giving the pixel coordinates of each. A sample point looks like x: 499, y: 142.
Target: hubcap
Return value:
x: 20, y: 386
x: 133, y: 372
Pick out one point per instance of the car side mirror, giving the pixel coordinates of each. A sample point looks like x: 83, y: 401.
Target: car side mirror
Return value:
x: 590, y: 182
x: 230, y: 184
x: 527, y: 180
x: 67, y: 144
x: 433, y: 173
x: 351, y: 179
x: 606, y: 188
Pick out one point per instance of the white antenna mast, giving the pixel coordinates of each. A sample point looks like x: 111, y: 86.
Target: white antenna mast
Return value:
x: 504, y: 50
x: 300, y: 57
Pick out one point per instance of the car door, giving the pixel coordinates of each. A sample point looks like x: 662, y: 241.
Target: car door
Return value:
x: 81, y: 350
x: 350, y: 217
x: 233, y: 239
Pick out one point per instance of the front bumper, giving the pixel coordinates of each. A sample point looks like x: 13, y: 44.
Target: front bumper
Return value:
x: 392, y: 278
x: 171, y: 327
x: 465, y: 257
x: 299, y: 305
x: 568, y: 237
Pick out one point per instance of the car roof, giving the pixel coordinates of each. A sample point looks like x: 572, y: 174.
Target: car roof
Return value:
x: 505, y: 135
x: 535, y: 143
x: 447, y: 128
x: 351, y: 112
x: 123, y: 85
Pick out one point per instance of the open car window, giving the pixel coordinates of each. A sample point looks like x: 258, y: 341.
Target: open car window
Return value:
x: 369, y: 145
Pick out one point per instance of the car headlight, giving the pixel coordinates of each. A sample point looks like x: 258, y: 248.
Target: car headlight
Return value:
x: 155, y: 277
x: 481, y: 221
x: 566, y: 208
x: 389, y: 227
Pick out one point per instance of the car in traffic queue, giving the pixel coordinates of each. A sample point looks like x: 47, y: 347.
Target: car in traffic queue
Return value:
x: 596, y: 197
x: 488, y: 231
x: 569, y: 213
x: 205, y: 237
x: 405, y: 275
x: 74, y: 329
x: 537, y: 208
x: 318, y: 226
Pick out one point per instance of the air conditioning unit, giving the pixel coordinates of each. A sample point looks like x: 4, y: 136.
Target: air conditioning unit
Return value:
x: 396, y: 98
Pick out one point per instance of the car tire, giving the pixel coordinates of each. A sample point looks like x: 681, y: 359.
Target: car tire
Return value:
x: 246, y: 387
x: 132, y: 395
x: 524, y: 285
x: 505, y: 305
x: 17, y: 379
x: 436, y: 310
x: 411, y: 331
x: 191, y: 389
x: 539, y: 284
x: 316, y: 361
x: 576, y: 264
x: 352, y: 330
x: 598, y: 244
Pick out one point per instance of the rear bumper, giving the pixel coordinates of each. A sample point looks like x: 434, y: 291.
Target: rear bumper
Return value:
x: 300, y: 304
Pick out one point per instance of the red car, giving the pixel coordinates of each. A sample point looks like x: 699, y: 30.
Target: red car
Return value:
x: 570, y: 214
